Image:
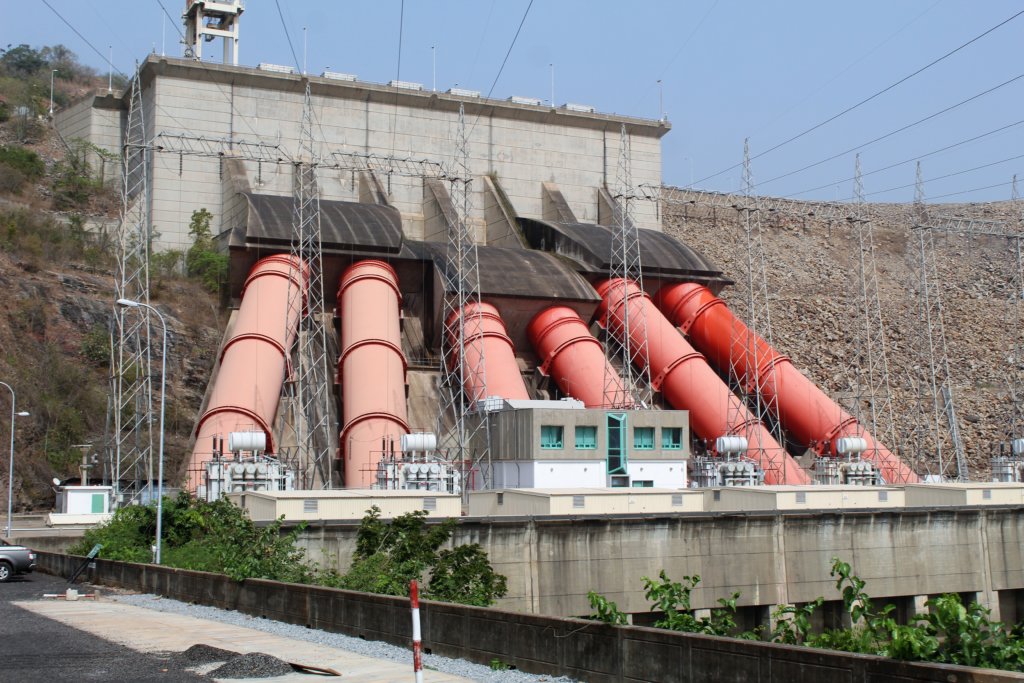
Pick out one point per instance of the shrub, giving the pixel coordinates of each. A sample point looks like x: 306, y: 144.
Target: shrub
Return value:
x: 203, y: 261
x: 390, y: 555
x: 23, y: 160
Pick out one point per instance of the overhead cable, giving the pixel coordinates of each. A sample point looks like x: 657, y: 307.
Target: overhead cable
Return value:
x: 287, y: 35
x: 948, y: 175
x: 870, y: 97
x: 910, y: 160
x: 891, y: 133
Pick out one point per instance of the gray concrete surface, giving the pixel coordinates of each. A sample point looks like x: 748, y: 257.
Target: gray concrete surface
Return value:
x: 36, y: 648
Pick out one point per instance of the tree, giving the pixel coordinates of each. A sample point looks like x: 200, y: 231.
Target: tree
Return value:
x: 202, y: 260
x: 21, y: 61
x: 390, y: 555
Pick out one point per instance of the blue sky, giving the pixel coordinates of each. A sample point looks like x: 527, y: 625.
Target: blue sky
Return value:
x: 729, y: 69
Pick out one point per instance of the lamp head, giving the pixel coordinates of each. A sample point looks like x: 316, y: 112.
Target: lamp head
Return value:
x: 127, y: 303
x: 23, y: 413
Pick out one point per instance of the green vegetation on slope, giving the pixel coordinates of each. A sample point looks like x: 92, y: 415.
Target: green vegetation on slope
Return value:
x: 218, y: 537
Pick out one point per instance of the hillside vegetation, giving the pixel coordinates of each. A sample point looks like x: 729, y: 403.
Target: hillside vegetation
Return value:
x: 57, y: 279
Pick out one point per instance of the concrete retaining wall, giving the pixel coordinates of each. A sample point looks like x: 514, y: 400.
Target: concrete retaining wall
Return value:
x: 585, y: 650
x: 771, y: 557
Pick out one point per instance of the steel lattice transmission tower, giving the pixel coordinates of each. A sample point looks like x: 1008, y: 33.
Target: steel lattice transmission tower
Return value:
x: 1014, y: 378
x: 307, y: 393
x: 131, y: 404
x: 463, y: 425
x: 754, y: 280
x: 938, y: 425
x: 628, y: 351
x: 872, y: 389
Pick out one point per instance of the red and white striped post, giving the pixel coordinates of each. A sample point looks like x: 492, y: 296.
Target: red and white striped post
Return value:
x: 417, y: 648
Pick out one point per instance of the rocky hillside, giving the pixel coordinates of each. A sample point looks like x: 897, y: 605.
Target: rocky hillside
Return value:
x: 814, y: 286
x: 54, y: 331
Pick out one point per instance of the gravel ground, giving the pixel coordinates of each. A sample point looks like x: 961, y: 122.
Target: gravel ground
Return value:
x: 458, y: 667
x: 252, y: 665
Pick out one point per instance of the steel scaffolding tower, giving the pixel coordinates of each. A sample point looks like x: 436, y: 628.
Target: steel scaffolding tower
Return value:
x: 625, y: 264
x: 872, y: 390
x: 131, y: 405
x: 307, y: 392
x: 462, y: 417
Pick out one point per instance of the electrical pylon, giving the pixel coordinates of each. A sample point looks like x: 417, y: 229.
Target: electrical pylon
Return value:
x: 307, y: 393
x: 628, y: 350
x: 462, y: 424
x: 938, y: 425
x: 760, y: 398
x: 873, y: 392
x: 131, y: 445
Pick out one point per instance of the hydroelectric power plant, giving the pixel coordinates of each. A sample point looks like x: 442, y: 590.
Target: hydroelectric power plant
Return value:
x: 446, y: 302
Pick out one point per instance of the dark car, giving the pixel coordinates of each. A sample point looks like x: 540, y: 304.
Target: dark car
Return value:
x: 15, y: 559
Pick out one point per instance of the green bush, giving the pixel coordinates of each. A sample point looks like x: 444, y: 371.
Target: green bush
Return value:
x: 218, y: 537
x: 24, y: 160
x: 948, y: 633
x: 213, y: 537
x: 390, y: 555
x: 96, y: 346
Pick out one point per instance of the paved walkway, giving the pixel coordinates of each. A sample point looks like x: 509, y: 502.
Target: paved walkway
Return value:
x: 147, y: 630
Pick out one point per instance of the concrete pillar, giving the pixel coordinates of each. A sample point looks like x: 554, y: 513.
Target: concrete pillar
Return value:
x: 920, y: 604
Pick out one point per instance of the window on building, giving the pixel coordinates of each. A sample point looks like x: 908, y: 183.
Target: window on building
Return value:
x: 586, y: 438
x: 551, y: 436
x: 579, y: 501
x: 677, y: 500
x: 643, y: 438
x: 616, y: 443
x: 643, y: 483
x: 310, y: 506
x: 430, y: 504
x: 671, y: 438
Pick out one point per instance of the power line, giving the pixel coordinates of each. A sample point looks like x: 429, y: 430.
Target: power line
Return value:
x: 860, y: 59
x: 976, y: 189
x: 509, y: 51
x: 287, y: 35
x: 891, y: 133
x: 502, y: 68
x: 911, y: 159
x: 204, y: 67
x: 104, y: 58
x: 948, y: 175
x: 688, y: 38
x: 870, y: 97
x: 401, y: 29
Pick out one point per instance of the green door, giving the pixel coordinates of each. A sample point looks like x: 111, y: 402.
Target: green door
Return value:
x: 97, y: 503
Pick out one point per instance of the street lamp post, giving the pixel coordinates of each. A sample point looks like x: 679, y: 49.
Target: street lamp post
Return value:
x: 10, y: 465
x: 52, y: 74
x: 128, y: 303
